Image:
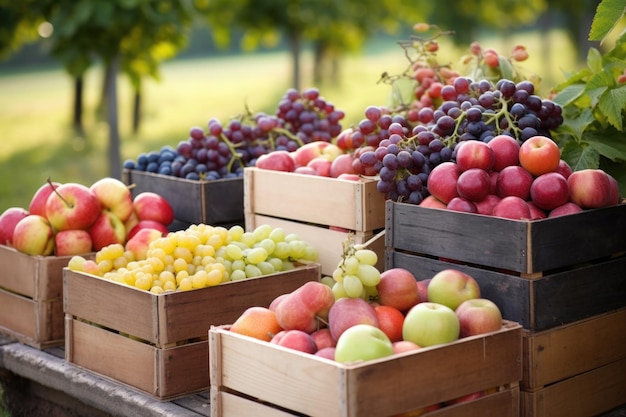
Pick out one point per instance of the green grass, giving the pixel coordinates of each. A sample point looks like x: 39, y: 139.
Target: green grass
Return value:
x: 35, y: 107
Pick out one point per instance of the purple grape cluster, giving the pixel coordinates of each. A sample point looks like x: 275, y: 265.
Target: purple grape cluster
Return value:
x: 404, y: 153
x: 223, y: 150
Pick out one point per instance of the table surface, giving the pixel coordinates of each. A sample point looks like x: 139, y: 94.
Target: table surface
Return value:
x: 49, y: 368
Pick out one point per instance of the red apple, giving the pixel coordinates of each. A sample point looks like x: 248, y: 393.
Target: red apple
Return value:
x: 323, y: 338
x: 466, y: 398
x: 321, y: 165
x: 478, y: 316
x: 432, y: 202
x: 422, y: 289
x: 549, y: 191
x: 342, y: 164
x: 474, y: 154
x: 514, y: 181
x: 451, y: 287
x: 591, y: 188
x: 397, y: 288
x: 72, y: 242
x: 486, y: 205
x: 38, y: 202
x: 305, y: 170
x: 153, y: 206
x: 33, y: 235
x: 139, y: 244
x: 107, y: 230
x: 493, y: 182
x: 390, y: 321
x: 462, y: 204
x: 442, y: 181
x: 564, y: 169
x: 295, y: 339
x: 506, y: 151
x: 276, y: 161
x: 277, y: 300
x: 349, y: 177
x: 72, y: 206
x: 402, y: 346
x: 347, y: 312
x: 473, y: 184
x: 565, y: 209
x: 307, y: 152
x: 114, y: 196
x: 304, y: 306
x: 148, y: 224
x: 539, y: 155
x: 512, y: 207
x: 326, y: 353
x: 535, y: 212
x: 8, y: 220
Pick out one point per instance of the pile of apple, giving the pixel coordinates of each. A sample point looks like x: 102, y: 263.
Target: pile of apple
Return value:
x: 406, y: 316
x: 319, y: 158
x: 66, y: 219
x: 505, y: 179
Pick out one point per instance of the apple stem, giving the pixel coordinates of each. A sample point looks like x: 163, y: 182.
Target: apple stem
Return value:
x: 322, y: 320
x: 67, y: 203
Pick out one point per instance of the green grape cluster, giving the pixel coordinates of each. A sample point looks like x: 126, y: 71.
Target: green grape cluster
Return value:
x: 200, y: 256
x: 356, y: 275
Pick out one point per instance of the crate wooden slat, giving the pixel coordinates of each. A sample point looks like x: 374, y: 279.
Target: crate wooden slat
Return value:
x: 541, y: 303
x: 528, y: 247
x: 352, y: 205
x: 31, y: 297
x: 566, y: 351
x: 302, y: 383
x: 589, y: 394
x: 161, y: 337
x: 327, y: 242
x: 209, y: 202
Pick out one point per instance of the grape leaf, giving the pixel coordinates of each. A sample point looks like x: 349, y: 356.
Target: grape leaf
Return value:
x: 594, y: 60
x: 577, y: 125
x: 580, y: 156
x: 612, y: 102
x: 506, y: 70
x: 569, y: 94
x: 607, y: 15
x: 609, y: 143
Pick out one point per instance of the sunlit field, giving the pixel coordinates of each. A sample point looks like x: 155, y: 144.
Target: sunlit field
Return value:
x: 35, y: 106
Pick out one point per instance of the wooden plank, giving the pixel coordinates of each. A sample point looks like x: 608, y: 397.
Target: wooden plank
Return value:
x: 588, y: 394
x: 314, y: 386
x: 537, y: 304
x: 572, y: 349
x: 18, y: 315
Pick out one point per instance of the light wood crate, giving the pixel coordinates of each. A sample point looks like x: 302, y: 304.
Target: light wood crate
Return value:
x: 158, y: 343
x: 252, y: 377
x: 31, y: 297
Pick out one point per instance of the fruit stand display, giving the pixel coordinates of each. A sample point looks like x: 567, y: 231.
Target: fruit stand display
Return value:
x: 321, y: 210
x: 157, y: 343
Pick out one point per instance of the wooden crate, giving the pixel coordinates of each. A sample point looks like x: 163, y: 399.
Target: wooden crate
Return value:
x: 527, y: 247
x: 209, y: 202
x: 158, y: 343
x: 351, y: 205
x: 322, y: 211
x: 540, y: 303
x: 31, y: 297
x: 252, y: 377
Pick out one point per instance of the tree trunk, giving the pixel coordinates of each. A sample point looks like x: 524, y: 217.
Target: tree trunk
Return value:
x: 115, y: 168
x: 137, y: 109
x: 294, y: 46
x: 101, y: 110
x: 78, y: 105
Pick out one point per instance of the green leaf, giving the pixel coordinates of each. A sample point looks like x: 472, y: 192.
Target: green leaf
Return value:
x: 506, y: 70
x: 569, y: 94
x: 609, y: 143
x: 594, y: 60
x: 580, y: 156
x: 608, y: 13
x: 612, y: 102
x: 576, y: 126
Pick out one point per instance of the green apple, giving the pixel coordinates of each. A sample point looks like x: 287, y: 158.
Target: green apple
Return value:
x: 429, y: 324
x: 362, y: 342
x: 451, y: 287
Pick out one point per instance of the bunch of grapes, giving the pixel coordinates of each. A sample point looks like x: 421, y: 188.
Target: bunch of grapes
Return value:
x: 200, y: 256
x: 471, y: 110
x: 356, y: 275
x: 223, y: 150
